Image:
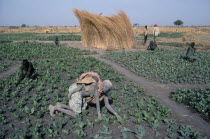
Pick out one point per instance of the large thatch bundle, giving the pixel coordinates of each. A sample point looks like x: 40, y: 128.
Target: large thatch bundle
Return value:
x: 106, y: 32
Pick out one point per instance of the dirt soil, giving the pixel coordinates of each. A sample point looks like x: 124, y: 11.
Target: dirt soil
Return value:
x: 161, y: 91
x: 11, y: 69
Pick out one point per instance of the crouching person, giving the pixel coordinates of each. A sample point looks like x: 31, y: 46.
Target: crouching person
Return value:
x: 26, y: 71
x: 190, y: 55
x: 152, y: 46
x: 83, y: 92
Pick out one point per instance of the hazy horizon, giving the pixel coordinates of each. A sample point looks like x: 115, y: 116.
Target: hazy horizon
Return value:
x: 60, y: 13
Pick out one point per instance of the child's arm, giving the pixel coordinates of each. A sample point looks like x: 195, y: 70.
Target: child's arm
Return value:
x: 108, y: 106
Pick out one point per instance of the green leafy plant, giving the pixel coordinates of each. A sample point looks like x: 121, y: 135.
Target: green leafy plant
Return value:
x: 50, y: 132
x: 188, y: 132
x: 169, y: 67
x: 90, y: 124
x: 105, y: 130
x: 196, y: 98
x: 65, y: 131
x: 80, y: 133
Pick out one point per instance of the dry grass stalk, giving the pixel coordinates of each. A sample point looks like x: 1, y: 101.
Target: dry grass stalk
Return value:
x: 53, y: 29
x: 106, y: 32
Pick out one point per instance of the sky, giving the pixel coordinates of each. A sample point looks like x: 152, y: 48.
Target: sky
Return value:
x: 143, y: 12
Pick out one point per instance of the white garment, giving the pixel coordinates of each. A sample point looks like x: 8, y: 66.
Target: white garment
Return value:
x: 156, y: 31
x: 145, y: 32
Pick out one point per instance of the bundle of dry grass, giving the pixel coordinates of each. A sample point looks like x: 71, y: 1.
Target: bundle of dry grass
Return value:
x: 106, y: 32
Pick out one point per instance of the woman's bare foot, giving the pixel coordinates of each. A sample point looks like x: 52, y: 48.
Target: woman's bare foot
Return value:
x: 52, y: 110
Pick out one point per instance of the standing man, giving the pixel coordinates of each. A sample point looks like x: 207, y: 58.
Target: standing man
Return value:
x: 156, y: 31
x: 145, y: 35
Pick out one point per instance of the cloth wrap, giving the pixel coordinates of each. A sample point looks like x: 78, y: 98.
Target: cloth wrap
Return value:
x: 76, y: 102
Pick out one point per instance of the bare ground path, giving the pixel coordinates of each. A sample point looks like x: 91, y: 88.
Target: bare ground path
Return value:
x: 10, y: 70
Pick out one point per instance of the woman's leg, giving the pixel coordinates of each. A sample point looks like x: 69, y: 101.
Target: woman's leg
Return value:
x: 62, y: 108
x: 58, y: 104
x: 52, y: 110
x: 68, y: 112
x: 145, y: 41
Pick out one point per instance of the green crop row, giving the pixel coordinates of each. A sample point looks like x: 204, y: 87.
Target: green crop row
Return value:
x: 198, y: 99
x: 30, y: 100
x: 24, y: 109
x: 177, y: 44
x: 171, y: 35
x: 19, y: 51
x: 36, y: 36
x: 4, y: 65
x: 165, y: 66
x: 62, y: 38
x: 167, y: 35
x: 5, y: 41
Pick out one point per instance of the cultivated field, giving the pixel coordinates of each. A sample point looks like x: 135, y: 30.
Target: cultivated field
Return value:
x: 169, y: 36
x: 157, y: 94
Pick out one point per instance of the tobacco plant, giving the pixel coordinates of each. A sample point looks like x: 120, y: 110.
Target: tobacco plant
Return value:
x: 165, y: 66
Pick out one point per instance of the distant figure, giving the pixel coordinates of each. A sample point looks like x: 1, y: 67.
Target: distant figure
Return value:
x: 27, y: 71
x: 156, y: 31
x: 190, y: 55
x: 145, y: 35
x: 56, y: 41
x: 152, y: 46
x: 136, y: 35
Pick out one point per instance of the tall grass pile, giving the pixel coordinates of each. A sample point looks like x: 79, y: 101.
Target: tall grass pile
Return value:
x: 106, y: 32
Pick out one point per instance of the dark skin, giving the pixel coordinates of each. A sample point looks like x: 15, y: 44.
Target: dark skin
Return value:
x: 56, y: 41
x: 145, y: 36
x: 152, y: 46
x: 190, y: 53
x: 26, y: 69
x: 191, y: 48
x: 67, y: 110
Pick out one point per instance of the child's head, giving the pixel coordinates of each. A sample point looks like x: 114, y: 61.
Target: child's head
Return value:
x: 25, y: 63
x: 192, y: 44
x: 107, y: 86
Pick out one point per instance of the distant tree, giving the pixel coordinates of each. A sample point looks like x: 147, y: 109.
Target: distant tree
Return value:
x: 23, y: 25
x: 136, y: 24
x: 178, y: 22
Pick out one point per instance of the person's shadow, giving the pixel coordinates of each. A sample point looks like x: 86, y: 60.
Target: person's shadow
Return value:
x: 102, y: 104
